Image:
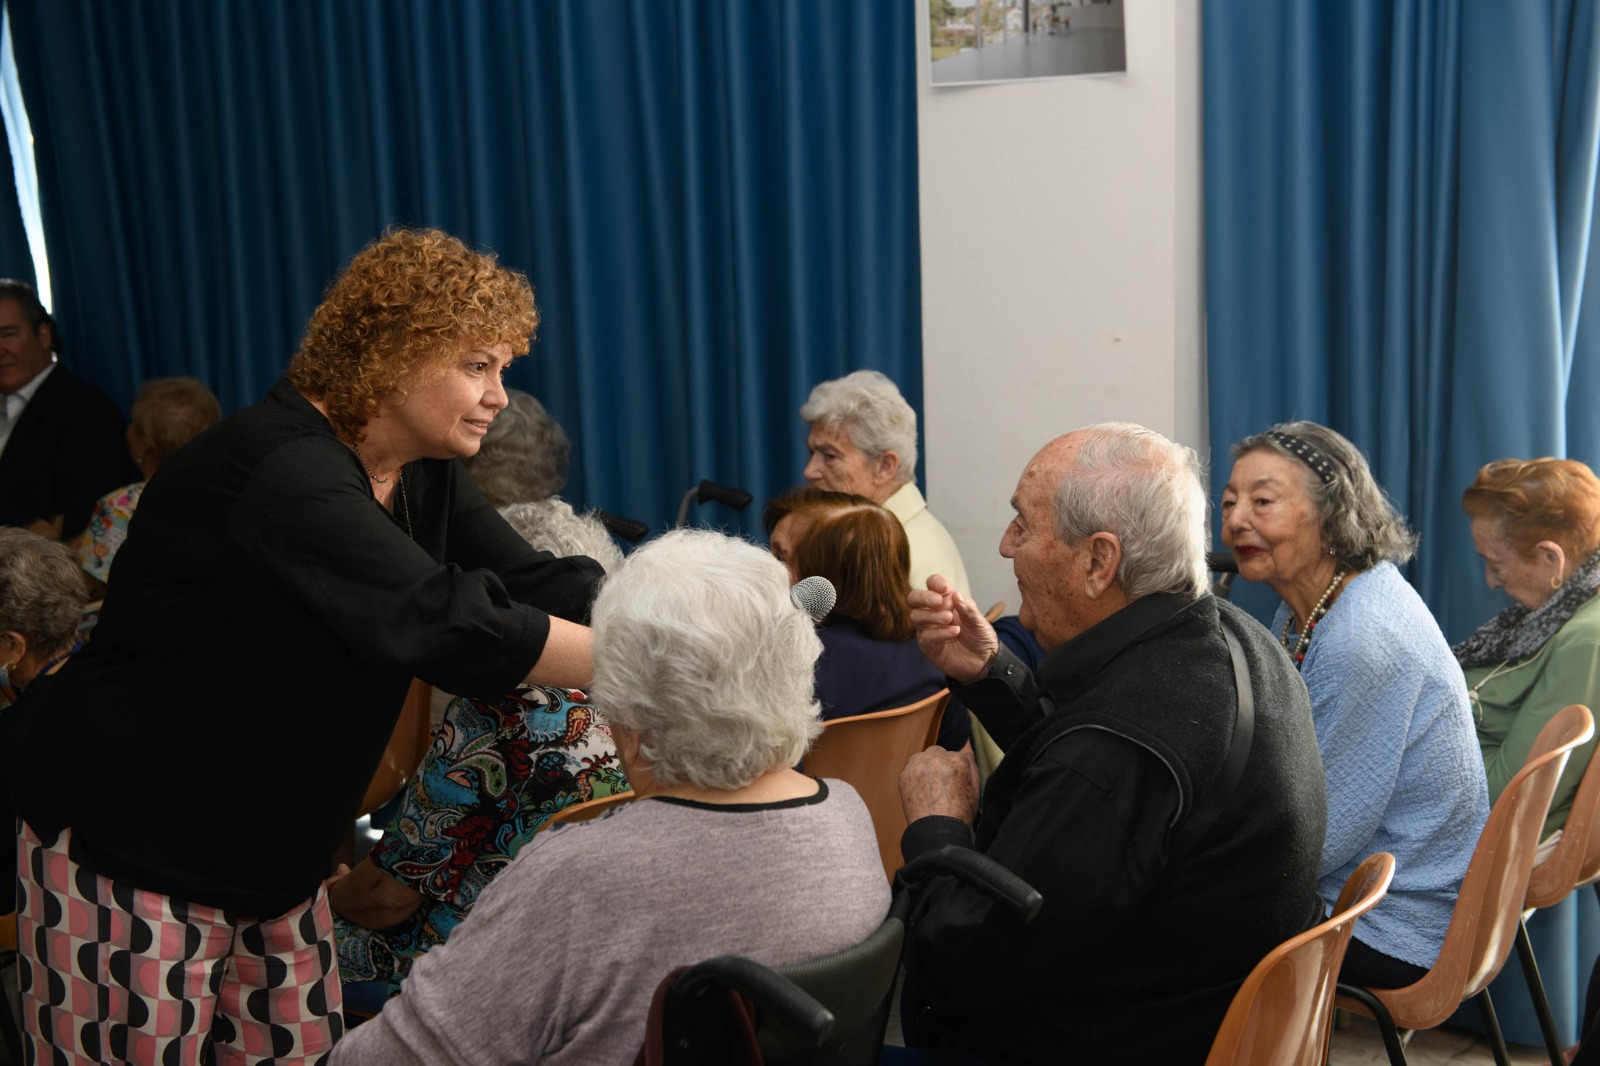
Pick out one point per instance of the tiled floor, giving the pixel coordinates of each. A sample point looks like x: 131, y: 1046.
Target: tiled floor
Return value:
x: 1359, y: 1044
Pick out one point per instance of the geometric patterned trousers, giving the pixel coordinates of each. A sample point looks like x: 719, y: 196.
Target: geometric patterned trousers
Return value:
x: 112, y: 973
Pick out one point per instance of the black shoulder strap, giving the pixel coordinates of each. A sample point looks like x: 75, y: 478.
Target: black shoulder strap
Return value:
x: 1244, y: 726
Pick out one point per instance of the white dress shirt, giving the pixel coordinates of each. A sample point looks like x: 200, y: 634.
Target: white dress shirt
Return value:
x: 12, y: 403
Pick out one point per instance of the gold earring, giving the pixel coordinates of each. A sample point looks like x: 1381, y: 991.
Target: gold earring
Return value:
x: 1555, y: 580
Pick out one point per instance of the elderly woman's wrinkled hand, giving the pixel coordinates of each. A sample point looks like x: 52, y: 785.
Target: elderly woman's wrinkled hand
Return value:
x: 951, y: 630
x: 940, y: 782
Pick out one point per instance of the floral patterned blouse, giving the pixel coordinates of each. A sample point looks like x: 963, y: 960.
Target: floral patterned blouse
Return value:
x: 495, y: 772
x: 108, y: 527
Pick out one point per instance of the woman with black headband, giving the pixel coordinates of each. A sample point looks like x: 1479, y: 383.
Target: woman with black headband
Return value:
x: 1302, y: 513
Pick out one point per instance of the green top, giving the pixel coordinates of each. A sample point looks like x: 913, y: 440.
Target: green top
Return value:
x: 1513, y: 700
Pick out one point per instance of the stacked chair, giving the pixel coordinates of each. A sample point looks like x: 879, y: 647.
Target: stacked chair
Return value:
x: 1488, y: 909
x: 1574, y: 864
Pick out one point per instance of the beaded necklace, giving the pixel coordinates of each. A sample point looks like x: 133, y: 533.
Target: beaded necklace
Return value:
x: 1298, y: 651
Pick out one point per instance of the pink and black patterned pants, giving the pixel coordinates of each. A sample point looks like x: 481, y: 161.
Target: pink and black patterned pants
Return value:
x: 112, y: 973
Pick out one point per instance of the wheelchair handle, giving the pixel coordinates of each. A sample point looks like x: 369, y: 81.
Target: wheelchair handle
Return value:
x: 979, y: 871
x: 786, y: 1002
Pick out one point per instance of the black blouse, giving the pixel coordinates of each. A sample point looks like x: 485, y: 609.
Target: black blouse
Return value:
x: 214, y: 739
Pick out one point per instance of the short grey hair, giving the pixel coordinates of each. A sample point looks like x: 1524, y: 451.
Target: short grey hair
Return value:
x: 699, y: 651
x: 1358, y: 523
x: 868, y: 408
x: 1146, y: 490
x: 41, y: 590
x: 551, y: 525
x: 525, y: 455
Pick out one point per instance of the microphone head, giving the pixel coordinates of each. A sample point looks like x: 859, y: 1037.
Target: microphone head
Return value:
x: 815, y: 596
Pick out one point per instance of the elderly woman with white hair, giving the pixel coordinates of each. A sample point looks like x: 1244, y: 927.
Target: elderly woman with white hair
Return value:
x: 525, y: 455
x: 863, y: 439
x: 704, y: 668
x: 1303, y: 514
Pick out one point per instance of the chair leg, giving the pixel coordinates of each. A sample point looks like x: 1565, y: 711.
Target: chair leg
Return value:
x: 1541, y: 1003
x: 1386, y: 1027
x: 1491, y: 1025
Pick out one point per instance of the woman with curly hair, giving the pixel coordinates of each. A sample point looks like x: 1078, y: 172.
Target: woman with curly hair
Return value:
x: 1303, y: 514
x: 281, y: 587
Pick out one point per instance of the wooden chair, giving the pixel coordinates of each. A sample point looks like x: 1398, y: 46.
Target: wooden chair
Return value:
x: 995, y: 610
x: 407, y: 745
x: 10, y: 1024
x: 1283, y: 1013
x: 1489, y: 905
x: 590, y: 808
x: 868, y: 751
x: 1574, y: 863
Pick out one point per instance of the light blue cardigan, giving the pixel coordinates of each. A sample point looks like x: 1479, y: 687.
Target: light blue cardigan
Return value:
x: 1400, y: 755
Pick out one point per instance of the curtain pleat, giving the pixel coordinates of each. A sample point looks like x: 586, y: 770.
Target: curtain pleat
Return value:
x: 16, y: 261
x: 715, y: 200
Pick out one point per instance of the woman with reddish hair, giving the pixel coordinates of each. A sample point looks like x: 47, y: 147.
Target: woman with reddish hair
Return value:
x: 1536, y: 523
x: 870, y: 659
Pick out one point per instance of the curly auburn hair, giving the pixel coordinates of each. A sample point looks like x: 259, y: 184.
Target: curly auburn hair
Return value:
x: 858, y: 545
x: 410, y: 301
x: 1539, y: 499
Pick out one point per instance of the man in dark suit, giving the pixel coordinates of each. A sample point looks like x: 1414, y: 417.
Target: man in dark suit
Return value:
x: 62, y: 442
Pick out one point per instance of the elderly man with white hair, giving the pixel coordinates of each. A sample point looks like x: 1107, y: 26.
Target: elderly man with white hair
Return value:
x: 704, y: 668
x: 863, y: 439
x: 1161, y: 789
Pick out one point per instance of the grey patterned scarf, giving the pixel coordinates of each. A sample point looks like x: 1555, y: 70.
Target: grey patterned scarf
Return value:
x: 1516, y: 632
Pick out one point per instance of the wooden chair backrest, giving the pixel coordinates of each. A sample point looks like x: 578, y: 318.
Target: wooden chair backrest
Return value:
x: 868, y: 751
x: 407, y: 745
x: 1576, y: 859
x: 1283, y: 1013
x: 1488, y: 908
x: 590, y: 808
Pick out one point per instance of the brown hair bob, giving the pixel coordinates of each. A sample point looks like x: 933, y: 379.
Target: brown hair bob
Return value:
x: 411, y: 300
x: 860, y: 547
x: 1539, y: 499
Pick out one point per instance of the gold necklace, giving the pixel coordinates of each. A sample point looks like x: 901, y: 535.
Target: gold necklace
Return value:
x: 1298, y: 652
x: 405, y: 505
x: 362, y: 459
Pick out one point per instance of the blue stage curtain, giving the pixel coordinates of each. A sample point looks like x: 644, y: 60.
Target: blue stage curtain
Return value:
x: 716, y: 200
x: 15, y: 259
x: 1398, y: 207
x: 1399, y: 201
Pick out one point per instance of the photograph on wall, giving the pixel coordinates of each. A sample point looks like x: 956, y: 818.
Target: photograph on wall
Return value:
x: 978, y: 41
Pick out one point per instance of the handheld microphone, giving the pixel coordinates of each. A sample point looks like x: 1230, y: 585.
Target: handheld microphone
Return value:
x: 815, y: 596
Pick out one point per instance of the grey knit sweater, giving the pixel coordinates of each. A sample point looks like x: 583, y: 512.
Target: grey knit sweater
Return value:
x: 558, y: 960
